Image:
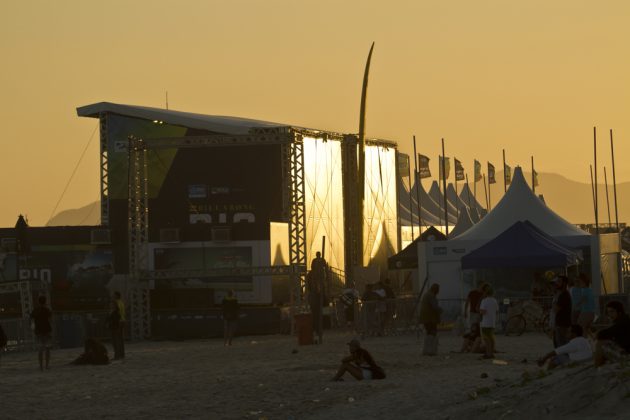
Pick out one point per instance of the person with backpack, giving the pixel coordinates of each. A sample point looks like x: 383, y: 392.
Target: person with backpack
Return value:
x: 41, y: 317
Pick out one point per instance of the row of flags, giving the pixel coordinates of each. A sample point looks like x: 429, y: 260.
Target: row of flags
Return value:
x: 445, y: 168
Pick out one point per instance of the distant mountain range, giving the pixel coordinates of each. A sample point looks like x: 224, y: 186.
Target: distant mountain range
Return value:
x: 570, y: 199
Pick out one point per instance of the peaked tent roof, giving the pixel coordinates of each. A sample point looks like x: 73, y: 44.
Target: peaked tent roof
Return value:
x: 405, y: 215
x: 464, y: 222
x: 522, y: 245
x: 214, y: 123
x: 408, y: 257
x: 467, y: 196
x: 438, y: 197
x: 519, y: 204
x: 452, y: 197
x: 433, y: 207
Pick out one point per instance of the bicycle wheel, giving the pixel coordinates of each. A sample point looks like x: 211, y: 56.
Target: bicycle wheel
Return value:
x: 515, y: 325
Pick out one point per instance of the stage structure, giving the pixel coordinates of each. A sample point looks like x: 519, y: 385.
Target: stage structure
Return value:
x: 207, y: 202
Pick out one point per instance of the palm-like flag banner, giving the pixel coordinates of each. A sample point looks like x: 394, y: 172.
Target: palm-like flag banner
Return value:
x: 423, y: 166
x: 477, y: 171
x: 446, y: 166
x: 508, y: 175
x: 491, y: 179
x: 459, y: 171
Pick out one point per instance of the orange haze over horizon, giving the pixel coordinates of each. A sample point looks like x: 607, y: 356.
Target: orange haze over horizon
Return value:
x: 531, y: 77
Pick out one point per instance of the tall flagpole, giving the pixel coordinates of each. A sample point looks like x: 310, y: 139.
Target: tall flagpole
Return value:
x: 444, y: 183
x: 612, y: 151
x: 592, y: 189
x: 504, y: 173
x: 410, y: 197
x: 607, y: 200
x: 361, y: 178
x: 595, y: 166
x: 416, y: 164
x: 486, y: 192
x: 468, y: 195
x: 474, y: 181
x: 455, y: 181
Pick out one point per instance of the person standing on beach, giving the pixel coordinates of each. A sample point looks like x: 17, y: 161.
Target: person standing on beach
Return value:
x: 230, y: 309
x: 472, y: 304
x: 3, y: 341
x: 561, y: 312
x: 489, y: 309
x: 587, y: 304
x: 117, y: 320
x: 315, y: 283
x: 430, y: 312
x: 41, y: 317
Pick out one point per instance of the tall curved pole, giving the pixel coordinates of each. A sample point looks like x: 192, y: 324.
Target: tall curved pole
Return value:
x: 361, y: 177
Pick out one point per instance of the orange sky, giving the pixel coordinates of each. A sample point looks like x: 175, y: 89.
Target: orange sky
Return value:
x: 532, y: 77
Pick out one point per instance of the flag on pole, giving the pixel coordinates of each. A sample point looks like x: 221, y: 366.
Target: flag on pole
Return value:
x: 403, y: 165
x: 423, y: 166
x: 477, y: 171
x: 447, y: 167
x: 491, y: 179
x: 459, y: 171
x: 535, y: 179
x: 508, y: 175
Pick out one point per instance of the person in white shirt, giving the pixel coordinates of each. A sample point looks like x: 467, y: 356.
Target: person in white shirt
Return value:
x: 488, y: 308
x: 578, y: 349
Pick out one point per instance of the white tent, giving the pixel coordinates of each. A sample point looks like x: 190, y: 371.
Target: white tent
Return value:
x: 464, y: 222
x: 433, y: 207
x: 404, y: 212
x: 468, y: 197
x: 441, y: 261
x: 438, y: 197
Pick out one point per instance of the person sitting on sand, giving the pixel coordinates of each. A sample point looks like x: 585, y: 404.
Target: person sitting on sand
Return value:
x: 359, y: 364
x: 95, y: 353
x: 578, y: 349
x: 613, y: 342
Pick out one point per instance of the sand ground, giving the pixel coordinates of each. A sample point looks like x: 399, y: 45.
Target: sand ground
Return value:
x: 271, y: 377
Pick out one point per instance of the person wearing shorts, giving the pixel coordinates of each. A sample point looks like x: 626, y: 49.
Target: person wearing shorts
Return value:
x: 578, y: 349
x: 359, y: 364
x: 41, y: 317
x: 488, y: 308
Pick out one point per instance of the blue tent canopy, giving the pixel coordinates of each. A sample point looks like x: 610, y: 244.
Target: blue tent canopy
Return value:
x: 522, y: 245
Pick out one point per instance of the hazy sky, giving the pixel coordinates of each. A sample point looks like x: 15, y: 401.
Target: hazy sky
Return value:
x: 529, y: 76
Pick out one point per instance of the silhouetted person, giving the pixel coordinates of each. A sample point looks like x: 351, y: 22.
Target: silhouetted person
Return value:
x: 117, y: 320
x: 230, y: 309
x: 3, y: 341
x: 94, y: 353
x: 614, y: 341
x: 359, y: 364
x: 561, y: 312
x: 489, y: 310
x: 41, y: 317
x: 430, y: 313
x: 315, y: 288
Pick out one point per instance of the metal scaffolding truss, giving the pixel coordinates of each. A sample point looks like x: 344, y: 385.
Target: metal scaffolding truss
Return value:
x: 218, y: 272
x: 138, y: 231
x: 294, y: 156
x: 294, y: 211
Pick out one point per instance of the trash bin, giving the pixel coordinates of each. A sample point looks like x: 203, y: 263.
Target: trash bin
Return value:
x: 304, y: 328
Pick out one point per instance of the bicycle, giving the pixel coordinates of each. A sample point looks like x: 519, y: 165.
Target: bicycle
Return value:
x: 517, y: 324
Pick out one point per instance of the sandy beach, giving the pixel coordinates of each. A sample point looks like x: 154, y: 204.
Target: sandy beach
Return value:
x: 271, y: 377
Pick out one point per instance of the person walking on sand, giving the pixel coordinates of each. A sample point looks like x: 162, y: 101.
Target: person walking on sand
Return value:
x: 230, y: 309
x: 430, y: 312
x: 488, y: 308
x: 587, y: 304
x: 359, y: 364
x: 561, y: 312
x: 117, y: 320
x: 41, y: 317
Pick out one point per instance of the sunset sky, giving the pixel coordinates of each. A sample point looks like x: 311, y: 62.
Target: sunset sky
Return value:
x: 532, y: 77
